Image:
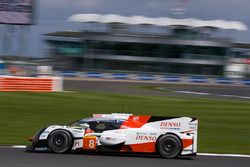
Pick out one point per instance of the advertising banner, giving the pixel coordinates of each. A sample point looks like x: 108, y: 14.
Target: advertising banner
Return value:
x: 16, y: 12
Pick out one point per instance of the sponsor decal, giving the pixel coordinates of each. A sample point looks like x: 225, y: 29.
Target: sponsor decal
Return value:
x: 154, y: 134
x: 110, y: 139
x: 170, y: 125
x: 141, y: 133
x: 192, y: 125
x: 135, y: 118
x: 76, y: 144
x: 146, y: 138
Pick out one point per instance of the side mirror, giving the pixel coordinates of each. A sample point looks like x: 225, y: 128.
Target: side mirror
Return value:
x: 84, y: 126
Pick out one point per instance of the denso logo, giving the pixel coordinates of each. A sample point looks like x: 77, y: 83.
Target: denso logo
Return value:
x: 170, y: 124
x: 147, y: 138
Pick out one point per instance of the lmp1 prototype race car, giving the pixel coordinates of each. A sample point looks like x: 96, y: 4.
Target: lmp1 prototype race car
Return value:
x: 168, y: 136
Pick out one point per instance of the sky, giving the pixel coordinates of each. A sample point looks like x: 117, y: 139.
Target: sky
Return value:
x: 51, y: 15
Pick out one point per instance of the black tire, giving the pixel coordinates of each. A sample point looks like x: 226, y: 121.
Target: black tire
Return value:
x: 60, y: 141
x: 169, y: 146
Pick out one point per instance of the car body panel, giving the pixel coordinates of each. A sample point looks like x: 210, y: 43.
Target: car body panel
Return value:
x: 126, y: 133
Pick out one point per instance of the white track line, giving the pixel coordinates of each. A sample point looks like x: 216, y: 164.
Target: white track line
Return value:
x: 18, y: 146
x: 224, y: 155
x: 220, y: 95
x: 190, y: 92
x: 200, y: 154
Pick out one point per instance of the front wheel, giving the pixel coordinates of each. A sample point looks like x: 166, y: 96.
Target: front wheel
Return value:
x: 169, y: 146
x: 60, y: 141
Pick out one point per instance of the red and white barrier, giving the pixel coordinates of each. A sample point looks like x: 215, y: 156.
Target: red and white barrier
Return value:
x: 31, y: 84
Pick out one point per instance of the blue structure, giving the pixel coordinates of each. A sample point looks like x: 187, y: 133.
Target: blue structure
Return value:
x: 2, y: 67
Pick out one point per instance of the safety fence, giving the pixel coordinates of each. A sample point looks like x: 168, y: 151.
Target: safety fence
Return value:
x: 31, y: 84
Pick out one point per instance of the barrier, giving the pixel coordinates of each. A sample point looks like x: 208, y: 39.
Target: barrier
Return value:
x: 69, y: 74
x: 31, y: 84
x: 224, y: 80
x: 246, y: 81
x: 145, y: 77
x: 119, y: 76
x: 172, y: 78
x: 198, y: 79
x: 94, y: 75
x: 151, y: 77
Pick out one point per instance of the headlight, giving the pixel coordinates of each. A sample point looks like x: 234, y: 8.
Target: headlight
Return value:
x: 38, y: 133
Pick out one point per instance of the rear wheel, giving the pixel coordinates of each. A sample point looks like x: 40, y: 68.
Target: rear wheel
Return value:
x: 60, y: 141
x: 169, y: 146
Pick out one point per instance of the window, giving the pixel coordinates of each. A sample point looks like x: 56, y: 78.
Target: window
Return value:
x: 98, y: 125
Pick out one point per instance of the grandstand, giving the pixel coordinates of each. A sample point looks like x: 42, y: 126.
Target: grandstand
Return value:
x: 148, y: 45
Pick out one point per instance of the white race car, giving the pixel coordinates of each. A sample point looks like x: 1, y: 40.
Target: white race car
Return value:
x: 168, y: 136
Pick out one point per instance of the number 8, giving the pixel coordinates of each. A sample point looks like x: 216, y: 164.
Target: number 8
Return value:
x: 91, y: 143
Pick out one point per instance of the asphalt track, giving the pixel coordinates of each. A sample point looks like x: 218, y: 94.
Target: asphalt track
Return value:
x: 165, y: 89
x: 10, y: 157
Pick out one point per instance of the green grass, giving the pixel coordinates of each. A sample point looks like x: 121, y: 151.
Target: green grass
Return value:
x: 224, y: 125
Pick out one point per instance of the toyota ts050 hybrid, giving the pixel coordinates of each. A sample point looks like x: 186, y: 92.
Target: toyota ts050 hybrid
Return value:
x: 168, y: 136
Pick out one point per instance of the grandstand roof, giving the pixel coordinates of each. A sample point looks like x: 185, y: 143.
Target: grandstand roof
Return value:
x: 158, y: 21
x: 242, y: 45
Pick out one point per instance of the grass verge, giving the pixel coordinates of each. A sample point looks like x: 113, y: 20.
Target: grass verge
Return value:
x: 224, y: 125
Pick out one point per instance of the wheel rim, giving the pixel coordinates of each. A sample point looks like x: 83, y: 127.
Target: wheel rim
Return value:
x: 169, y: 146
x: 59, y: 141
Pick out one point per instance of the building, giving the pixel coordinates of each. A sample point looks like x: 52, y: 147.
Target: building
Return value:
x: 141, y: 44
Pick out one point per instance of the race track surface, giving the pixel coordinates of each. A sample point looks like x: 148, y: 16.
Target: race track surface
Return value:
x: 10, y: 157
x: 165, y: 89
